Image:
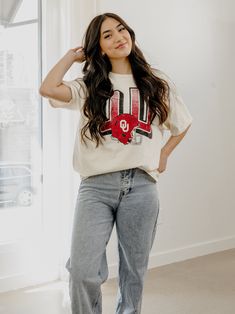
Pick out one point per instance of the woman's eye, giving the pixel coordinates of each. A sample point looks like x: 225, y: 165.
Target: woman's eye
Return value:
x: 121, y: 29
x: 107, y: 36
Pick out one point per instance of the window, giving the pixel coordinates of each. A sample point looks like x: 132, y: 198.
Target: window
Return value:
x: 20, y: 116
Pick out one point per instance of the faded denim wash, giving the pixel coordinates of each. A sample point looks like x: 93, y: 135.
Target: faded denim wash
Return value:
x: 128, y: 198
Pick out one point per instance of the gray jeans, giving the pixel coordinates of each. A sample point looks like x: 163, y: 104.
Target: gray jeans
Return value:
x: 128, y: 198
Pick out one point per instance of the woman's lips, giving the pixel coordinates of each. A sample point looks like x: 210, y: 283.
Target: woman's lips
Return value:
x: 121, y: 46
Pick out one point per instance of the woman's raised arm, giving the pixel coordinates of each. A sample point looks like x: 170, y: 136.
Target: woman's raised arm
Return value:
x: 52, y: 86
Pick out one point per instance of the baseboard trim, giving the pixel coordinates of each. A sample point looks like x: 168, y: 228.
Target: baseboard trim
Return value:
x: 155, y: 260
x: 20, y: 281
x: 183, y: 253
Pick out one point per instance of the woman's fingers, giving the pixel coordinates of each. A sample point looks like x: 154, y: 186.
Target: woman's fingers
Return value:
x: 80, y: 48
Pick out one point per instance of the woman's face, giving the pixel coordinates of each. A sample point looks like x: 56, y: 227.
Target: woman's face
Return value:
x: 115, y: 40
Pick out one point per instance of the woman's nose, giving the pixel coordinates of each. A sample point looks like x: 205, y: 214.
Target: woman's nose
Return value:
x: 118, y: 37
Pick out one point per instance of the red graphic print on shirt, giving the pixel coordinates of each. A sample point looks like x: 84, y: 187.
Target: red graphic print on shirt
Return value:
x: 123, y: 125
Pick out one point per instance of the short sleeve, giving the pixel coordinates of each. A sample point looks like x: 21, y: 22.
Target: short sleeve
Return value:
x: 179, y: 117
x: 78, y: 91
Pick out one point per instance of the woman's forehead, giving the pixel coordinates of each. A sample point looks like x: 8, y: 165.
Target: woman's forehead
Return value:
x: 109, y: 24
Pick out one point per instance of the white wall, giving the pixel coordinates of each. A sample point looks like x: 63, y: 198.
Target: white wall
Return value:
x: 193, y: 41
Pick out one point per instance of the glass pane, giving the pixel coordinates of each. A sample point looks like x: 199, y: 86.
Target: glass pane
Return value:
x: 20, y: 124
x: 28, y: 10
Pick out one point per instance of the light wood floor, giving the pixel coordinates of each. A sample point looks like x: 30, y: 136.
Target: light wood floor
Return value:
x: 203, y: 285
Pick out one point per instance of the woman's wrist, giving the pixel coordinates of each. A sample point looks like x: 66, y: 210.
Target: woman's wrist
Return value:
x: 70, y: 56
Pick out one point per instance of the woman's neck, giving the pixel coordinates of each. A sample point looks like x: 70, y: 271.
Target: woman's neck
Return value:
x: 121, y: 66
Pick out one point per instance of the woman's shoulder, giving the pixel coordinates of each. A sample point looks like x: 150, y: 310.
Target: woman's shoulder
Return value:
x: 77, y: 83
x: 162, y: 75
x: 79, y: 80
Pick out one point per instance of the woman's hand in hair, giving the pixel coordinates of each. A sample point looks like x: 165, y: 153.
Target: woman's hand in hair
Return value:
x: 78, y: 54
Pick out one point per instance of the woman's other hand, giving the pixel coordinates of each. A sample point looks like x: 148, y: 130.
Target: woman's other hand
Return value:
x: 162, y: 162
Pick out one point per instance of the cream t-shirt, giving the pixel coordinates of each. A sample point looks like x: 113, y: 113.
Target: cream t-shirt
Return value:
x: 130, y: 140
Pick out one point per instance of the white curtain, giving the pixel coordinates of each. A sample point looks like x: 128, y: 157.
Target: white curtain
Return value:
x: 64, y: 24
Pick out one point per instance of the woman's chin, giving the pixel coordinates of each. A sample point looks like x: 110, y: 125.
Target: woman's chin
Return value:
x: 121, y: 54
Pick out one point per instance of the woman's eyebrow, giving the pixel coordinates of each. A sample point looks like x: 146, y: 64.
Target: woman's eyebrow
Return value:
x: 108, y: 30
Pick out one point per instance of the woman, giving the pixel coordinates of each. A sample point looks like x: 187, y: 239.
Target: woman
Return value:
x: 124, y: 105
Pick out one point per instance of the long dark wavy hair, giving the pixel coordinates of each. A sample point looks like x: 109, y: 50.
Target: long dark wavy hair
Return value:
x: 155, y: 91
